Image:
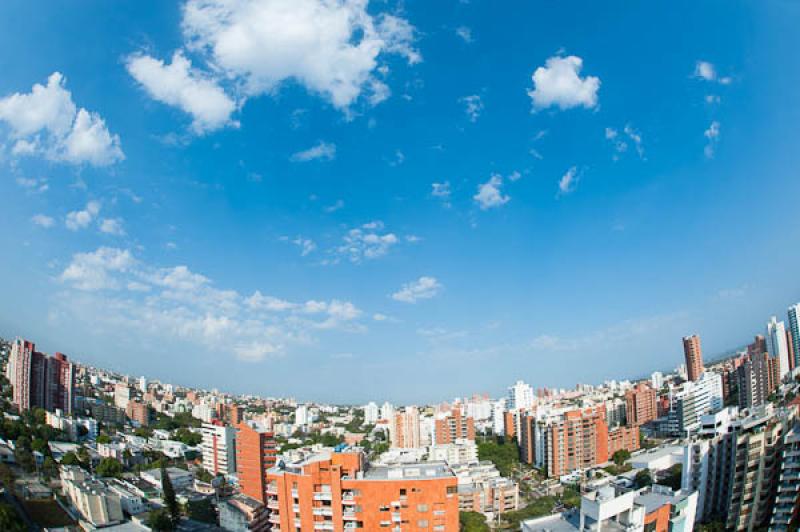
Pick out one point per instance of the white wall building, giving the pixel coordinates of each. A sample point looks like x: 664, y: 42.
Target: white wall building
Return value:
x: 219, y: 449
x: 520, y: 396
x: 371, y: 413
x: 777, y: 345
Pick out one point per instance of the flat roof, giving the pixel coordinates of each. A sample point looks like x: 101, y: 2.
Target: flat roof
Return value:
x: 417, y: 471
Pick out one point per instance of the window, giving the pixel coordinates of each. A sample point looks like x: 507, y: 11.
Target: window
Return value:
x: 422, y: 523
x: 422, y: 507
x: 402, y: 492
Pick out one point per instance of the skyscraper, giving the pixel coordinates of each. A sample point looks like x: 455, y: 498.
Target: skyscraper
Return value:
x: 694, y: 356
x: 520, y: 396
x: 405, y: 433
x: 640, y: 405
x: 256, y: 452
x: 219, y: 448
x: 776, y: 345
x: 794, y: 330
x: 38, y: 380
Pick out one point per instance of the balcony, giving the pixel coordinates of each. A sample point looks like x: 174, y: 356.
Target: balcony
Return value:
x: 323, y: 510
x: 323, y: 496
x: 273, y: 504
x: 349, y: 516
x: 272, y: 490
x: 323, y: 525
x: 348, y: 498
x: 274, y: 518
x: 350, y: 526
x: 295, y: 493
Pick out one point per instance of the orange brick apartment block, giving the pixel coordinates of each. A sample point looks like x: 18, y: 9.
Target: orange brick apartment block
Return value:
x: 640, y: 405
x: 256, y: 452
x: 454, y: 427
x: 336, y: 491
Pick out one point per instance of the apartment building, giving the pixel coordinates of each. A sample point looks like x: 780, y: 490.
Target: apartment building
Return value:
x: 735, y: 466
x: 405, y: 430
x: 482, y: 489
x: 694, y: 357
x: 336, y: 491
x: 219, y: 448
x: 97, y: 504
x: 241, y: 513
x: 640, y: 405
x: 786, y: 512
x: 454, y: 426
x: 256, y: 453
x: 39, y: 380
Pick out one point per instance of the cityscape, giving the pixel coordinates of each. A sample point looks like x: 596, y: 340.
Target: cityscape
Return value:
x: 711, y: 446
x: 399, y: 265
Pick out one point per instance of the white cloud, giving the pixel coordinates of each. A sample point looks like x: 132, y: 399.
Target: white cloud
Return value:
x: 306, y: 245
x: 46, y: 121
x: 112, y: 226
x: 322, y: 150
x: 77, y: 220
x: 423, y: 288
x: 441, y: 190
x: 95, y: 270
x: 568, y: 181
x: 620, y: 143
x: 112, y: 289
x: 465, y: 33
x: 490, y: 194
x: 33, y: 185
x: 473, y: 106
x: 180, y: 85
x: 708, y: 72
x: 337, y: 205
x: 712, y: 134
x: 330, y: 48
x: 558, y: 83
x: 43, y: 220
x: 366, y: 242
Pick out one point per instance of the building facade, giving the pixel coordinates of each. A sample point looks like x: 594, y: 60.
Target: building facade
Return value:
x: 256, y: 452
x: 38, y: 380
x: 693, y: 353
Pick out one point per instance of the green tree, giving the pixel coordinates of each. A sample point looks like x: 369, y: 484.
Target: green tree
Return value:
x: 188, y: 437
x: 472, y: 522
x: 104, y: 438
x: 504, y: 454
x: 109, y: 467
x: 9, y: 520
x: 620, y: 457
x: 160, y: 521
x: 643, y: 478
x: 49, y: 467
x: 169, y: 495
x: 673, y: 477
x: 202, y: 510
x: 7, y: 477
x: 70, y: 458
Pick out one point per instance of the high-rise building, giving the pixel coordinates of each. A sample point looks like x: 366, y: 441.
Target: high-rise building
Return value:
x: 256, y: 452
x: 139, y: 412
x: 337, y: 491
x: 387, y: 411
x: 640, y: 405
x: 776, y: 345
x: 454, y: 426
x: 38, y: 380
x: 689, y: 402
x: 735, y: 466
x: 786, y: 513
x: 219, y: 448
x: 520, y: 396
x: 754, y: 380
x: 694, y: 356
x: 371, y: 413
x: 122, y: 394
x: 657, y: 380
x: 405, y: 430
x: 794, y: 330
x: 235, y: 415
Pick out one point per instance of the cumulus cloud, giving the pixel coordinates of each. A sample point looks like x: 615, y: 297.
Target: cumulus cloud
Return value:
x: 712, y: 136
x: 112, y: 226
x: 33, y: 185
x: 306, y: 245
x: 113, y: 288
x: 81, y: 219
x: 619, y: 140
x: 568, y: 181
x: 47, y: 122
x: 42, y: 220
x: 559, y: 83
x: 95, y: 270
x: 369, y: 241
x: 324, y: 151
x: 423, y: 288
x: 253, y: 47
x: 465, y: 33
x: 490, y: 194
x: 708, y: 72
x: 180, y: 85
x: 473, y: 105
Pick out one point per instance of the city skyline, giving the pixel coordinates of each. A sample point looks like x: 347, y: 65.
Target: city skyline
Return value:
x: 470, y: 198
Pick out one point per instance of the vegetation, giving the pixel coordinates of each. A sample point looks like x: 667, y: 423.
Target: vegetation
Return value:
x: 538, y: 508
x: 170, y: 500
x: 673, y: 477
x: 620, y: 457
x: 109, y: 467
x: 504, y: 454
x: 202, y: 510
x: 643, y: 479
x: 104, y: 438
x: 9, y: 520
x: 160, y: 521
x: 188, y: 437
x: 183, y: 419
x: 472, y: 522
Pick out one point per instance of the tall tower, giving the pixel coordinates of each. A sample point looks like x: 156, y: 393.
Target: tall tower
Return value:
x: 776, y: 344
x: 794, y: 329
x: 694, y: 356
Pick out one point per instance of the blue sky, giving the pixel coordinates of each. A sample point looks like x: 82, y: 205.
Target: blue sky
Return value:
x: 409, y: 201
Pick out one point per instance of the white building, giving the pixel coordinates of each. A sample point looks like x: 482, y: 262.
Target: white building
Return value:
x: 499, y: 417
x: 657, y: 380
x: 122, y: 395
x: 219, y: 449
x: 301, y: 417
x: 460, y: 452
x: 97, y: 504
x: 777, y: 345
x: 371, y: 413
x: 387, y: 411
x: 520, y: 396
